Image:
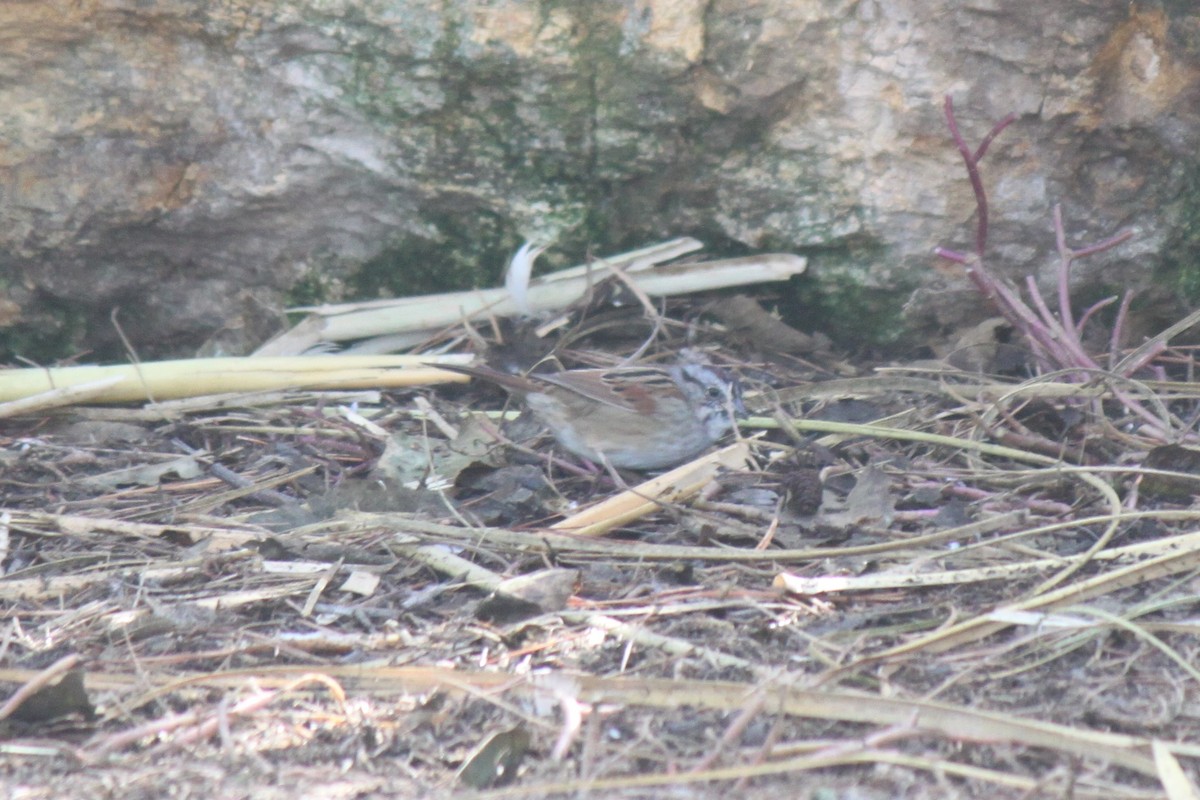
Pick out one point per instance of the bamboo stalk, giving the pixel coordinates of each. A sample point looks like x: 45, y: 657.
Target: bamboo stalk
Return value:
x: 434, y: 312
x: 166, y: 380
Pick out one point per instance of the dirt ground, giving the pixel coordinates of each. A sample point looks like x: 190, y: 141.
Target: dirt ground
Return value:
x: 900, y: 580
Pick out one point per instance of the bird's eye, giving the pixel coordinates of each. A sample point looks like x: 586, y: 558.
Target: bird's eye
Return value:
x: 714, y: 393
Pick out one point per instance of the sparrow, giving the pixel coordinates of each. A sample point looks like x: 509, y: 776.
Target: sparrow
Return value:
x: 639, y: 418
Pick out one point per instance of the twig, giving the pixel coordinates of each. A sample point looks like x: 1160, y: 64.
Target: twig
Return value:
x: 35, y: 684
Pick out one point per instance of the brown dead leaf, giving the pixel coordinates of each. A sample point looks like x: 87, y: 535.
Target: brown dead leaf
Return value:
x: 751, y: 323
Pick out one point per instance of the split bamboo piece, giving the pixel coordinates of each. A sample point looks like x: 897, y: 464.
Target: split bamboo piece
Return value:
x: 677, y: 485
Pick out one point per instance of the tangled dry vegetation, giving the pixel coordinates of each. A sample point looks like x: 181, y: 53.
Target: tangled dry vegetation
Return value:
x: 913, y: 581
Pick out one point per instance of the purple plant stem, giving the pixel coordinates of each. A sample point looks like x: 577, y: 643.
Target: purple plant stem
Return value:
x: 1114, y: 341
x: 1067, y: 349
x: 1100, y: 247
x: 1043, y: 330
x: 1081, y: 326
x: 1065, y: 257
x: 972, y: 159
x: 1056, y: 343
x: 952, y: 255
x: 1010, y: 304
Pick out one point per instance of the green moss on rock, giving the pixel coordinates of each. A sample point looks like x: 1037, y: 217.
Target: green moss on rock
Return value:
x: 844, y: 296
x: 58, y: 331
x: 1181, y: 254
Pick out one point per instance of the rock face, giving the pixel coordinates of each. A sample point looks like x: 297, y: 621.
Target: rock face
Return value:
x: 192, y: 162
